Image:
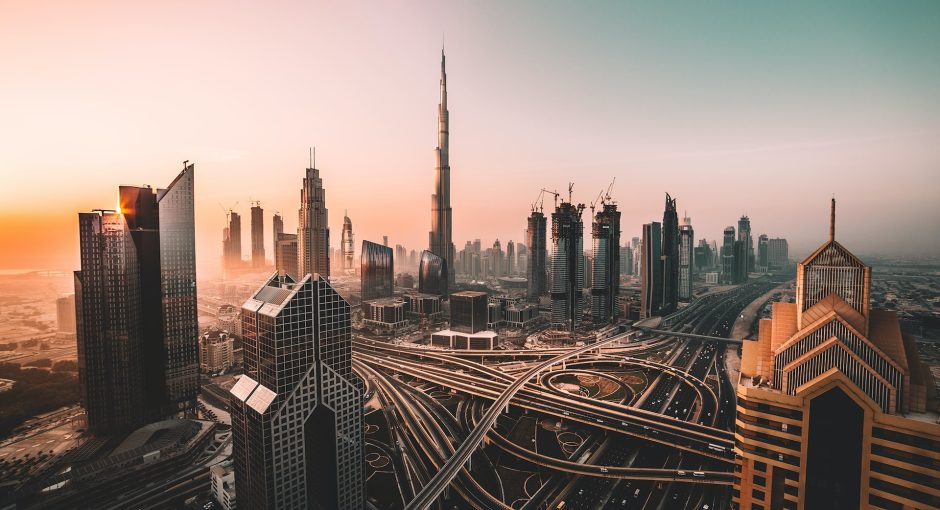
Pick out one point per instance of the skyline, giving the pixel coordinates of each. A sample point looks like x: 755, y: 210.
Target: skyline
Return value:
x: 640, y: 105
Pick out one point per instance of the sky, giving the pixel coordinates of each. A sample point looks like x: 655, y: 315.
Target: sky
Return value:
x: 759, y: 108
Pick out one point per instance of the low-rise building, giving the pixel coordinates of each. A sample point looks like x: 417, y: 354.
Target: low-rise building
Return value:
x: 385, y: 313
x: 223, y: 486
x: 216, y: 351
x: 481, y: 340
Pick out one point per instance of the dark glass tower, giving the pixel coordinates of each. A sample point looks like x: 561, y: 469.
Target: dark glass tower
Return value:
x: 297, y: 423
x: 670, y: 256
x: 567, y: 266
x: 727, y: 256
x: 535, y: 269
x: 606, y: 270
x: 278, y: 228
x: 377, y: 271
x: 108, y: 324
x: 432, y: 274
x: 651, y: 270
x: 257, y: 235
x: 232, y: 241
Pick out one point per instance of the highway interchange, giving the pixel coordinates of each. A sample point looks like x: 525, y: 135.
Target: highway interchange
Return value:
x: 667, y: 446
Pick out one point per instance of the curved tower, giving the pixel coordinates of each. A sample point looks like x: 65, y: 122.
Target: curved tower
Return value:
x: 441, y: 241
x: 347, y: 243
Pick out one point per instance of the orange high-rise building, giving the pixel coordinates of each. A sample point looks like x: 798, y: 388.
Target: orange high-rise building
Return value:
x: 835, y: 409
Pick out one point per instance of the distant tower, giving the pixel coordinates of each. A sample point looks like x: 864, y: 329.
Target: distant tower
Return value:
x: 651, y: 270
x: 744, y: 235
x: 605, y: 287
x: 510, y: 258
x: 727, y: 256
x: 297, y: 423
x: 232, y: 242
x: 686, y: 259
x: 567, y: 266
x: 257, y: 235
x: 313, y: 227
x: 498, y: 264
x: 347, y: 243
x: 441, y: 242
x: 670, y: 256
x: 535, y: 269
x: 278, y: 228
x: 762, y: 242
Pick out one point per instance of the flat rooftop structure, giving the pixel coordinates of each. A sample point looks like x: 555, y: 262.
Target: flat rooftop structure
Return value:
x: 468, y: 294
x: 481, y: 340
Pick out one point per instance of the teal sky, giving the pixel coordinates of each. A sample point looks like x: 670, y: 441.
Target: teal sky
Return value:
x: 764, y: 108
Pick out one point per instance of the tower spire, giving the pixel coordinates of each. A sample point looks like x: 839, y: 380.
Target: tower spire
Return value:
x: 832, y: 219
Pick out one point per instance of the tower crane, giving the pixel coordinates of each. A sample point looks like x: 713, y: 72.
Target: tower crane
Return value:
x: 555, y: 193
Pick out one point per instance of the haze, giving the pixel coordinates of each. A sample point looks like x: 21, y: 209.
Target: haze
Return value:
x: 731, y: 107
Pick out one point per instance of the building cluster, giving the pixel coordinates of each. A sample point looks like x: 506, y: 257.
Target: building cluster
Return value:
x: 831, y: 400
x: 135, y: 298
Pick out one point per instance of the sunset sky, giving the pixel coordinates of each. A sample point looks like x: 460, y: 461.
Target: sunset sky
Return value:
x: 732, y: 107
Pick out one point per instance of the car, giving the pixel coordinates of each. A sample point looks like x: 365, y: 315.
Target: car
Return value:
x: 636, y: 493
x: 603, y: 470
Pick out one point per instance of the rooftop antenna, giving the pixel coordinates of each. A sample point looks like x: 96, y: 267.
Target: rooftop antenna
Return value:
x: 313, y: 156
x: 832, y: 219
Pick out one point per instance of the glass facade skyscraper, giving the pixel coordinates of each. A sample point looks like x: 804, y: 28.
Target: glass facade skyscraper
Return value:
x: 377, y: 273
x: 432, y: 274
x: 567, y: 266
x: 535, y: 266
x: 297, y: 417
x: 605, y: 280
x: 651, y: 270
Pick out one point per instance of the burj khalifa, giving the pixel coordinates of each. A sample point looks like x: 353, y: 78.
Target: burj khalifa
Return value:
x: 441, y: 241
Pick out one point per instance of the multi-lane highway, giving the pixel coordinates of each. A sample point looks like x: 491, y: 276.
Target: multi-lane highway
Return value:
x: 666, y: 447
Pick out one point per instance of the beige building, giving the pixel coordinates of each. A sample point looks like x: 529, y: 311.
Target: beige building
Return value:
x: 216, y: 351
x: 835, y: 409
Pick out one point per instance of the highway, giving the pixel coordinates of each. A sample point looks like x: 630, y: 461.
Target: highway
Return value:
x: 666, y: 447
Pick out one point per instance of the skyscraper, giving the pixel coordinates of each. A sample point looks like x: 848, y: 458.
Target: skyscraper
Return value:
x: 510, y: 258
x: 285, y: 255
x: 739, y: 262
x: 277, y: 228
x: 686, y: 259
x: 670, y: 256
x: 567, y: 266
x: 432, y: 274
x: 778, y: 253
x: 313, y: 227
x: 297, y: 423
x: 605, y: 281
x: 762, y: 260
x: 651, y: 270
x: 535, y: 270
x: 377, y: 272
x: 744, y: 234
x: 108, y: 323
x: 498, y: 259
x: 832, y: 399
x: 347, y: 243
x: 232, y: 242
x: 441, y: 242
x: 257, y: 235
x: 727, y: 256
x: 136, y: 302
